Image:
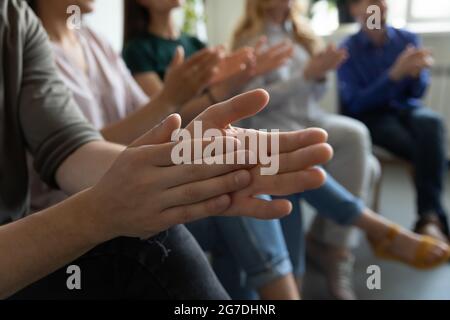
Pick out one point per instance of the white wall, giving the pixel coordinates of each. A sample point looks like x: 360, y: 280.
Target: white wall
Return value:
x: 107, y: 20
x: 222, y: 17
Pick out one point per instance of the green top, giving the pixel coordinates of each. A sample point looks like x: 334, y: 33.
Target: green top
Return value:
x: 151, y: 53
x: 37, y: 112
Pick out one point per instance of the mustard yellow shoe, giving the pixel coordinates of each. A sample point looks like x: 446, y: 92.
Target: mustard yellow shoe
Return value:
x: 381, y: 250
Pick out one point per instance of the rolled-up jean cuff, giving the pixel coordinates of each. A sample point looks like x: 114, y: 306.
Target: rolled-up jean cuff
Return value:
x: 355, y: 210
x: 273, y: 270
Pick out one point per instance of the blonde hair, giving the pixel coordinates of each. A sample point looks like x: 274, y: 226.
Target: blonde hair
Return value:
x: 252, y: 24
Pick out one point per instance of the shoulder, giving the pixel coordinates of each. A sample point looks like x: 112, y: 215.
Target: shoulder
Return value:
x: 139, y: 54
x: 404, y: 33
x: 17, y: 16
x: 407, y: 35
x: 351, y: 42
x: 137, y: 46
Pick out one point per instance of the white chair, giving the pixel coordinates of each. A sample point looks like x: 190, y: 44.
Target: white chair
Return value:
x: 386, y: 158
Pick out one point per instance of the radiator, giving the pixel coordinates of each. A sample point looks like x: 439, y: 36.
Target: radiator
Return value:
x: 438, y: 96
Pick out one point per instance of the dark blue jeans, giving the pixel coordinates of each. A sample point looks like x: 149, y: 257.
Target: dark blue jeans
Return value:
x: 417, y: 135
x: 170, y: 266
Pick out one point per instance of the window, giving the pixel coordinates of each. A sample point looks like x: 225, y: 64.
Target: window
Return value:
x: 402, y: 12
x: 431, y: 10
x: 421, y: 13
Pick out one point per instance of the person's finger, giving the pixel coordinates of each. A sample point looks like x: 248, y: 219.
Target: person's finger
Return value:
x: 259, y: 209
x: 207, y: 62
x: 288, y: 183
x: 283, y: 54
x: 410, y: 50
x: 187, y: 173
x: 282, y: 142
x: 204, y: 71
x: 190, y: 213
x: 176, y: 152
x: 178, y: 58
x: 429, y: 61
x: 304, y: 158
x: 331, y: 47
x: 161, y: 133
x: 280, y: 49
x: 202, y: 190
x: 240, y: 107
x: 198, y: 57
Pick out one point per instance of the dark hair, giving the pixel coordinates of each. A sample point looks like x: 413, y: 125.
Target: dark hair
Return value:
x: 33, y: 5
x: 137, y: 19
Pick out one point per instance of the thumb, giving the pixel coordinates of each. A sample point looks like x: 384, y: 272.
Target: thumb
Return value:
x: 178, y: 58
x: 162, y: 133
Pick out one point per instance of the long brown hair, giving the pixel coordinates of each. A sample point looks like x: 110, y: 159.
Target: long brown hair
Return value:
x: 252, y: 24
x: 137, y: 20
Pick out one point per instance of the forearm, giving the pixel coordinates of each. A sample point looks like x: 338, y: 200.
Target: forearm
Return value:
x: 86, y: 166
x: 136, y: 124
x: 380, y: 93
x: 418, y: 87
x: 40, y: 244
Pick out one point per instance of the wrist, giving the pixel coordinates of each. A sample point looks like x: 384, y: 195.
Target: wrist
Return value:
x: 164, y: 99
x: 395, y: 75
x: 314, y: 76
x: 97, y: 220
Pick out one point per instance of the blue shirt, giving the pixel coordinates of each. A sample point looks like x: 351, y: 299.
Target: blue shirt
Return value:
x: 364, y: 83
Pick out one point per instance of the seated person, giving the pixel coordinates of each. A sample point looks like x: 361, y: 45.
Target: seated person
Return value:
x: 38, y: 114
x: 109, y: 111
x: 296, y: 90
x: 387, y: 239
x: 152, y: 42
x: 382, y: 84
x: 261, y: 239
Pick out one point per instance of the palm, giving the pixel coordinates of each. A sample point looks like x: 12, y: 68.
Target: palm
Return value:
x: 298, y: 153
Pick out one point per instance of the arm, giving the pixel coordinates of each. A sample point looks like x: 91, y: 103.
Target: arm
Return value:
x: 45, y: 241
x: 143, y: 193
x: 417, y: 87
x: 358, y: 98
x: 394, y: 84
x: 150, y: 82
x: 138, y: 122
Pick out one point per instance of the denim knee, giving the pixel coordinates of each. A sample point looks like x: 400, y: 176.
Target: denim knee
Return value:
x: 430, y: 122
x: 256, y: 246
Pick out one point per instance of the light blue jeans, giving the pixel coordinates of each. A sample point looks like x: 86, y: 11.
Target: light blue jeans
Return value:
x: 331, y: 200
x: 255, y: 246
